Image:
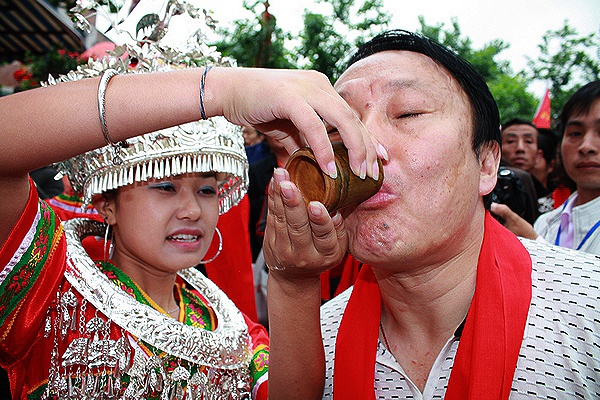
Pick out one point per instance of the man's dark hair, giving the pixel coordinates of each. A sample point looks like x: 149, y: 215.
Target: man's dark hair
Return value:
x: 580, y: 102
x: 486, y: 119
x: 517, y: 121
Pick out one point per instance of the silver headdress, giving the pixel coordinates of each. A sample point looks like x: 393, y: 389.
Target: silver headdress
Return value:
x: 201, y: 146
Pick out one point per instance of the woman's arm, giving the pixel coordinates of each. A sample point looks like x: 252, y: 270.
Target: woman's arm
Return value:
x: 45, y: 125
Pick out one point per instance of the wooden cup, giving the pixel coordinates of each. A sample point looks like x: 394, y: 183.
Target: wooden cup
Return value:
x: 315, y: 185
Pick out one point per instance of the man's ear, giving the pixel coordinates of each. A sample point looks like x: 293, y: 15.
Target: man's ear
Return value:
x: 489, y: 158
x: 105, y: 205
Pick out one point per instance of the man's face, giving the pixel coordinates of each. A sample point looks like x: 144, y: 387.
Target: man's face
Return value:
x: 429, y: 207
x: 581, y: 150
x: 519, y: 146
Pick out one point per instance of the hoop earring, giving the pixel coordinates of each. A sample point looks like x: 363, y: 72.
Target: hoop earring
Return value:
x: 110, y: 244
x: 218, y: 251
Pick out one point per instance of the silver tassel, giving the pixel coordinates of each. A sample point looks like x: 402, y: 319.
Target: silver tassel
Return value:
x: 165, y: 393
x: 109, y: 387
x: 178, y: 392
x: 48, y: 325
x: 73, y: 326
x: 84, y: 383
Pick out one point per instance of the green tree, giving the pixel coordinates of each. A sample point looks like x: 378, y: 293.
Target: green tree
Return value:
x: 257, y: 42
x: 509, y: 90
x: 327, y: 40
x: 566, y: 61
x: 512, y: 97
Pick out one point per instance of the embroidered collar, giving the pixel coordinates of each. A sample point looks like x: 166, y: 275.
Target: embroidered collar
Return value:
x: 195, y: 311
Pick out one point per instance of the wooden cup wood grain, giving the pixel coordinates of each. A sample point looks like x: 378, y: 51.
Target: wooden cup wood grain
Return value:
x: 315, y: 185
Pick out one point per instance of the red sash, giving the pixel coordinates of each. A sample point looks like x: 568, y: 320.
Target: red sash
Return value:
x: 491, y: 338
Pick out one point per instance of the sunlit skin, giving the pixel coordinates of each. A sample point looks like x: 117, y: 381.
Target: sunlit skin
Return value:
x: 519, y: 146
x: 581, y: 152
x: 160, y: 227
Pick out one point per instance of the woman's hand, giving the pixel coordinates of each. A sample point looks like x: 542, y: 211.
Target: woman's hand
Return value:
x: 300, y: 241
x: 295, y: 107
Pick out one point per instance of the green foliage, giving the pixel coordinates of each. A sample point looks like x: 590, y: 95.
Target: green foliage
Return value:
x: 56, y: 62
x: 483, y: 60
x: 325, y: 43
x: 256, y: 43
x: 322, y: 47
x: 509, y: 90
x: 567, y: 61
x: 512, y: 97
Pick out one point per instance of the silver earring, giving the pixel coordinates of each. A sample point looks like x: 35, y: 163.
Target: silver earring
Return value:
x: 218, y: 251
x: 110, y: 244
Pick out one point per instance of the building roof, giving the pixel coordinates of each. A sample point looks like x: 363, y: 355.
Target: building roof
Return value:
x: 36, y: 27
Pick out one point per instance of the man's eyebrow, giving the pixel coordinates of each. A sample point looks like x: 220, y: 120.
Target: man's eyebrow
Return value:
x: 392, y: 84
x: 576, y: 122
x: 516, y: 134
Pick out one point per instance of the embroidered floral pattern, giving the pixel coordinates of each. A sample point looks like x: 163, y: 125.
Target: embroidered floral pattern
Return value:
x: 260, y: 363
x: 21, y: 279
x: 195, y: 315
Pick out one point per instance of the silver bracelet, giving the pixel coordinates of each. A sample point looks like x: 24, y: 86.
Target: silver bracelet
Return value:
x: 202, y: 83
x: 104, y: 80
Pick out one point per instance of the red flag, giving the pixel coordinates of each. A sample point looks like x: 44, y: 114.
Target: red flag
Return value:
x: 542, y: 115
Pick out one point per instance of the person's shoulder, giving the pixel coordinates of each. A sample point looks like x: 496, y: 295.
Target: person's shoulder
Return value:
x: 543, y: 252
x: 554, y: 265
x: 545, y: 219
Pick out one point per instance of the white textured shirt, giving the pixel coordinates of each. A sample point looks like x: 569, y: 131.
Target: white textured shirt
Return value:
x: 560, y: 352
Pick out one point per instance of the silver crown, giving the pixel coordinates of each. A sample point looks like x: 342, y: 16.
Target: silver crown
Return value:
x: 201, y: 146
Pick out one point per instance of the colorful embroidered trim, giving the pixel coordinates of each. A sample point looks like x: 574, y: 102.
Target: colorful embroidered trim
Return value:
x: 23, y: 275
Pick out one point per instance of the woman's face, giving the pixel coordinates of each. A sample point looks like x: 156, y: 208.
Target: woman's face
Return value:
x: 163, y: 225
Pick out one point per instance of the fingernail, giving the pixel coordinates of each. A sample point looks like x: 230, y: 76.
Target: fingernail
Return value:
x: 279, y: 175
x: 375, y: 170
x: 315, y: 208
x: 287, y: 189
x: 272, y: 183
x: 332, y: 170
x: 382, y: 152
x: 363, y: 170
